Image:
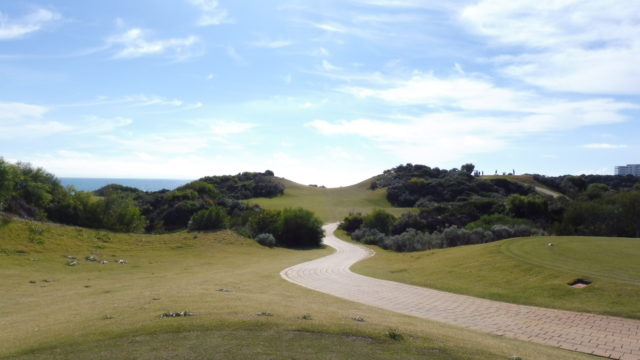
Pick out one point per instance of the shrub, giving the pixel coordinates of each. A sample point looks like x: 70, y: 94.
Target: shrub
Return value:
x: 265, y: 221
x: 214, y: 218
x: 394, y: 334
x: 266, y: 240
x: 368, y: 236
x: 352, y: 222
x: 299, y: 228
x: 379, y: 220
x: 487, y: 221
x: 410, y: 240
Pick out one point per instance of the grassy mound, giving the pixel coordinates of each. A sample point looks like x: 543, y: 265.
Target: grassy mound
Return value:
x: 331, y: 204
x: 241, y: 307
x: 526, y: 271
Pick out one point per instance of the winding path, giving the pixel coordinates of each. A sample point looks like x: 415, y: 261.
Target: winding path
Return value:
x: 606, y: 336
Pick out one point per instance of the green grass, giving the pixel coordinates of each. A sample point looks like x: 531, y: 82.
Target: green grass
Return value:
x: 49, y: 310
x: 331, y: 204
x: 526, y: 271
x: 528, y: 180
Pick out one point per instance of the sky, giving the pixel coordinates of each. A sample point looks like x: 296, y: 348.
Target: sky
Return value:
x: 327, y: 92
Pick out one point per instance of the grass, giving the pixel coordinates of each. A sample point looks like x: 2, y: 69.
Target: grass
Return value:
x: 528, y: 180
x: 526, y: 271
x: 331, y: 204
x: 49, y: 310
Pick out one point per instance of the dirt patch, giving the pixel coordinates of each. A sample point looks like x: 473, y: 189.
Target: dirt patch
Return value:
x: 579, y: 283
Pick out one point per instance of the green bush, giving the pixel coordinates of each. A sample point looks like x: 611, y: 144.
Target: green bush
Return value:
x: 214, y: 218
x: 266, y: 240
x: 265, y: 222
x: 118, y: 213
x: 352, y: 222
x: 299, y: 228
x: 488, y: 221
x: 380, y: 220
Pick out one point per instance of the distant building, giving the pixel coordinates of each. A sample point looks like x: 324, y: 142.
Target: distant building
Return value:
x: 631, y: 169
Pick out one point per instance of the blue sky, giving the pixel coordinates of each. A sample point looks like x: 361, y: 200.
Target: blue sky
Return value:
x: 326, y: 92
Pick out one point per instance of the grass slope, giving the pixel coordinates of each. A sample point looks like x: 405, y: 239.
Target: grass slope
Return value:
x: 49, y: 310
x: 331, y: 204
x: 526, y: 271
x: 528, y: 180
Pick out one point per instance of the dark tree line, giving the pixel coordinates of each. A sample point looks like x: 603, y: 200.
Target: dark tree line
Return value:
x: 455, y: 208
x: 419, y: 185
x: 199, y: 206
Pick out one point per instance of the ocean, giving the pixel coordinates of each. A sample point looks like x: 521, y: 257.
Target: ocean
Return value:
x: 91, y: 184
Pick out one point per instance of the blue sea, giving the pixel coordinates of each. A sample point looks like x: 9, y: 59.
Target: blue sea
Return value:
x: 91, y: 184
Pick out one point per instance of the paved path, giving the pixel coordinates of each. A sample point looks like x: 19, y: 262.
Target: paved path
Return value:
x: 612, y: 337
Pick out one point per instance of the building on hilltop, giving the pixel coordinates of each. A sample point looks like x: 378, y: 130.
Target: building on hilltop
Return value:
x: 630, y: 169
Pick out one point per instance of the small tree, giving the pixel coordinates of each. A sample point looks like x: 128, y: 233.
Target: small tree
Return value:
x: 214, y: 218
x: 380, y: 220
x: 265, y: 222
x: 467, y: 168
x: 351, y: 223
x: 299, y: 228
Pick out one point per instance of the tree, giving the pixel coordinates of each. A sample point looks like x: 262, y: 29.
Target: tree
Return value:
x: 116, y: 212
x: 264, y: 222
x: 527, y: 207
x: 467, y: 168
x: 214, y: 218
x: 299, y: 228
x: 380, y: 220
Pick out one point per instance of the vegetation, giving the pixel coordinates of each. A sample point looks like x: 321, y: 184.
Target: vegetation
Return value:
x: 411, y: 232
x: 330, y: 204
x: 199, y: 205
x: 456, y: 207
x: 572, y: 186
x: 214, y: 218
x: 99, y: 311
x: 299, y: 228
x: 246, y: 185
x: 419, y: 185
x: 525, y: 271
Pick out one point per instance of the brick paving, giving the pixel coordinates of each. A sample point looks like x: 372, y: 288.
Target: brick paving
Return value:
x: 606, y: 336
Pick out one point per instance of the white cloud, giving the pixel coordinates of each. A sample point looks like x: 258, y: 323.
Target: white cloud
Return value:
x: 331, y: 27
x: 212, y: 14
x: 306, y: 105
x: 447, y: 118
x: 609, y: 70
x: 34, y: 129
x: 14, y: 29
x: 134, y: 43
x: 162, y: 144
x: 461, y: 92
x: 74, y: 154
x: 146, y: 100
x: 420, y: 4
x: 604, y: 146
x: 20, y: 120
x: 272, y: 44
x: 233, y: 54
x: 96, y: 124
x: 10, y: 111
x: 327, y: 66
x: 583, y: 46
x: 222, y: 128
x: 321, y: 52
x: 385, y: 18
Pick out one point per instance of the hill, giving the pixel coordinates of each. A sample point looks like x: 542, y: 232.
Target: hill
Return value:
x: 526, y: 271
x: 330, y: 204
x: 240, y: 306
